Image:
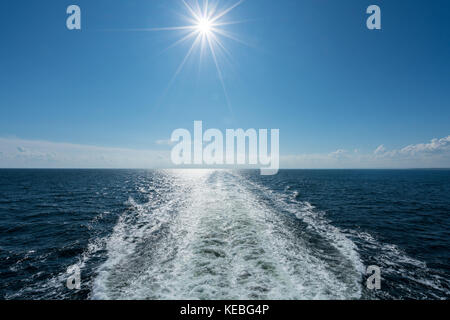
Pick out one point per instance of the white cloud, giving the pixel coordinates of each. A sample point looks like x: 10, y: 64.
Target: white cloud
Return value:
x: 19, y: 153
x: 435, y: 146
x: 339, y: 153
x: 435, y: 154
x: 381, y: 149
x: 164, y: 142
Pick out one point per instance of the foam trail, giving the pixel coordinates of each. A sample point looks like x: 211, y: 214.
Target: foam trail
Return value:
x: 212, y: 237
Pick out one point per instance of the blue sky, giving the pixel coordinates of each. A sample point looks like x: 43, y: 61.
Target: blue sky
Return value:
x: 336, y: 90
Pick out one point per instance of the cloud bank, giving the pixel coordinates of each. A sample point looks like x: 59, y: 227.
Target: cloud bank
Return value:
x: 435, y: 154
x: 20, y: 153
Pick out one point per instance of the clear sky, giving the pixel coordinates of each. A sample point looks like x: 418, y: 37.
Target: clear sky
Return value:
x: 341, y: 95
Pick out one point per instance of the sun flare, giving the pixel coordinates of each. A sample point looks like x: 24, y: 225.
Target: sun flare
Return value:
x: 206, y: 29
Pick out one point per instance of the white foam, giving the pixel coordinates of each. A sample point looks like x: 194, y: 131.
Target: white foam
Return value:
x: 213, y: 238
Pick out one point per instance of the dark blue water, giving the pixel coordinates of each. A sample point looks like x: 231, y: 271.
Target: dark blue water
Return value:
x: 213, y: 234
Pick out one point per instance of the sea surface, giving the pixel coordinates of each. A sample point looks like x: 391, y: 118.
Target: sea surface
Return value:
x: 218, y: 234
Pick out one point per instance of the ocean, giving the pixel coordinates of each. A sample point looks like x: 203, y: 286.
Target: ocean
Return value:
x: 221, y: 234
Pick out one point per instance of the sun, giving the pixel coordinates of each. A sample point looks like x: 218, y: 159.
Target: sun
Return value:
x: 204, y: 26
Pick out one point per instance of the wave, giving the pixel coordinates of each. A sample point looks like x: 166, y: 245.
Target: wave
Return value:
x: 404, y: 277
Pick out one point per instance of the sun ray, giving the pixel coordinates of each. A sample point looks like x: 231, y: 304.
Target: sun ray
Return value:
x: 161, y: 29
x: 180, y: 67
x: 206, y: 9
x: 229, y: 36
x: 221, y: 46
x: 226, y: 11
x: 187, y: 37
x: 220, y: 24
x: 219, y: 71
x: 212, y: 9
x: 194, y: 14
